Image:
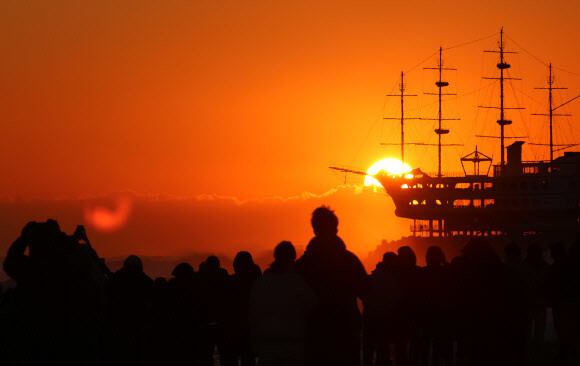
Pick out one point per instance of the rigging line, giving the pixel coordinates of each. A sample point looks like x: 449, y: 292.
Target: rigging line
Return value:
x: 372, y: 126
x: 420, y: 63
x: 526, y: 51
x: 470, y: 42
x: 453, y: 97
x: 569, y: 72
x: 518, y: 104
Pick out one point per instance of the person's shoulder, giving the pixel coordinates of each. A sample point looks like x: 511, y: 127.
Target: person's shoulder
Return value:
x: 353, y: 261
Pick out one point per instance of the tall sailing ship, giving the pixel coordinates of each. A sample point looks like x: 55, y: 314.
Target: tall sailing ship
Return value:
x: 509, y: 197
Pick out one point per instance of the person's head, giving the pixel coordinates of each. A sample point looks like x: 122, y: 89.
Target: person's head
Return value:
x: 390, y: 260
x: 42, y: 237
x: 324, y: 221
x: 512, y: 252
x: 407, y: 257
x: 243, y: 261
x: 212, y: 263
x: 435, y: 257
x: 558, y: 252
x: 183, y: 270
x: 133, y: 264
x: 285, y: 253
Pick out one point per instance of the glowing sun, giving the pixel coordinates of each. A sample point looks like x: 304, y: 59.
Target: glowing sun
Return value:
x: 390, y: 165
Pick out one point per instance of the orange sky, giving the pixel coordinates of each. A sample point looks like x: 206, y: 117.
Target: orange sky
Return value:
x: 252, y: 99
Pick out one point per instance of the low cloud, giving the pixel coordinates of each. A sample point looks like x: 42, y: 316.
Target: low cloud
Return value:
x: 165, y: 226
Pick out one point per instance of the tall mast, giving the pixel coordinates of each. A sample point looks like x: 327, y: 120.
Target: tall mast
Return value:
x: 550, y: 113
x: 402, y: 89
x: 502, y: 122
x: 402, y: 95
x: 440, y: 85
x: 550, y: 82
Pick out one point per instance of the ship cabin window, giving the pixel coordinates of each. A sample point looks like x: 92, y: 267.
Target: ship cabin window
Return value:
x: 414, y: 203
x: 476, y: 187
x: 424, y: 202
x: 439, y: 185
x: 531, y: 170
x: 463, y: 186
x: 461, y: 203
x: 488, y: 185
x: 438, y: 202
x: 404, y: 186
x: 476, y: 203
x: 489, y: 202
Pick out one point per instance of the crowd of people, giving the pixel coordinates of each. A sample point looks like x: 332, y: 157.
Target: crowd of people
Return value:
x: 69, y: 308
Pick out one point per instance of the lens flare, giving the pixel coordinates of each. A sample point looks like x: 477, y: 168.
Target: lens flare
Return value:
x: 391, y: 166
x: 107, y: 219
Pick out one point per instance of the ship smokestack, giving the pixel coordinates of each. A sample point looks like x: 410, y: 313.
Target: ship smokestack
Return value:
x: 514, y: 158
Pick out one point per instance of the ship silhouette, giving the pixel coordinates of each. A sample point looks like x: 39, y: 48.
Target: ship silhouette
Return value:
x: 508, y: 198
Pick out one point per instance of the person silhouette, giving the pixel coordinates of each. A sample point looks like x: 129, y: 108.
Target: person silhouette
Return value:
x: 408, y: 275
x: 246, y: 272
x: 215, y: 297
x: 338, y: 278
x: 185, y: 308
x: 57, y: 299
x: 279, y: 305
x: 496, y: 315
x: 130, y: 295
x: 435, y: 286
x: 381, y: 324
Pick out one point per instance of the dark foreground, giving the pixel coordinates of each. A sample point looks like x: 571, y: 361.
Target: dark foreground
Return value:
x: 69, y: 309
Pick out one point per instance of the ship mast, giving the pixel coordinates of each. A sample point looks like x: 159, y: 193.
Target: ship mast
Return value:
x: 440, y: 85
x: 402, y: 95
x: 551, y: 114
x: 502, y: 66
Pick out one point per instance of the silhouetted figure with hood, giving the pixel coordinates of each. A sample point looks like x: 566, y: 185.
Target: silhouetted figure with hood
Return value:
x: 382, y: 305
x: 130, y: 295
x: 338, y: 278
x: 280, y: 303
x: 215, y: 303
x: 246, y: 272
